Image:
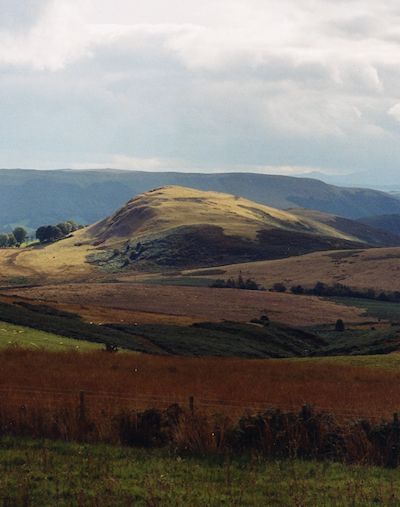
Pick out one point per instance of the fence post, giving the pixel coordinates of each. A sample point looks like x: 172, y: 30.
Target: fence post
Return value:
x: 393, y: 457
x: 191, y: 404
x: 82, y: 407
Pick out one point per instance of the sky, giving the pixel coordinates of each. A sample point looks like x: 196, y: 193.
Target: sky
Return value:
x: 278, y: 86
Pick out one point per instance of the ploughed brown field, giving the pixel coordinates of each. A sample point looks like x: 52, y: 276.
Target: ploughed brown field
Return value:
x: 130, y: 302
x: 228, y: 386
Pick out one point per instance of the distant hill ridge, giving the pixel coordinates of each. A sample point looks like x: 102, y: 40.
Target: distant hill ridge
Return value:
x: 33, y: 198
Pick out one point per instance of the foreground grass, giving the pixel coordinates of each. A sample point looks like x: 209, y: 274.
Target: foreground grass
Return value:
x: 11, y: 334
x: 52, y: 473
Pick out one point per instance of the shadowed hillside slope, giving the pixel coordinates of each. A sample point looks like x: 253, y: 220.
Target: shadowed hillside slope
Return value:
x: 369, y: 231
x: 389, y: 223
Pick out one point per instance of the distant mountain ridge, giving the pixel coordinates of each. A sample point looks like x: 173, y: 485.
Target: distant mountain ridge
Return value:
x: 33, y: 198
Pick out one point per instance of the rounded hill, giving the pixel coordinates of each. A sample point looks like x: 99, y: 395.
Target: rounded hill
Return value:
x: 180, y: 227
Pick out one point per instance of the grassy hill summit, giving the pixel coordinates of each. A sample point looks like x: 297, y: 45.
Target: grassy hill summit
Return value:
x: 162, y: 209
x: 179, y: 226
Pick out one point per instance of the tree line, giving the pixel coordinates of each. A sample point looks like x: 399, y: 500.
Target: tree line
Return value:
x: 237, y: 283
x: 339, y: 290
x: 319, y: 289
x: 45, y: 234
x: 14, y: 238
x: 50, y: 233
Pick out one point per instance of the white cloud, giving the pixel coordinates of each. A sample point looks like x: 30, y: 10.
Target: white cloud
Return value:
x: 128, y: 163
x: 57, y: 37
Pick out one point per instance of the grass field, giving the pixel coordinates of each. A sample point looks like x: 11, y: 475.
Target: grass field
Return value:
x: 377, y: 309
x: 196, y: 303
x: 57, y: 262
x: 12, y: 335
x: 43, y: 473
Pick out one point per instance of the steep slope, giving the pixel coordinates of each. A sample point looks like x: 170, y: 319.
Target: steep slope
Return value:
x: 34, y: 198
x: 178, y: 226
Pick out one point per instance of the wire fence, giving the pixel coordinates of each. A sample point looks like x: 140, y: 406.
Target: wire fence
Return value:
x: 31, y: 395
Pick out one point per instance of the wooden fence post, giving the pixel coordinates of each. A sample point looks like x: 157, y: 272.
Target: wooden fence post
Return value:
x: 82, y: 407
x: 191, y: 404
x: 393, y: 457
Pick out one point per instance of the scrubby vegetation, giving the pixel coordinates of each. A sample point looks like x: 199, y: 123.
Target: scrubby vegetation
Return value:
x: 238, y: 283
x: 271, y: 434
x: 228, y: 339
x: 364, y: 339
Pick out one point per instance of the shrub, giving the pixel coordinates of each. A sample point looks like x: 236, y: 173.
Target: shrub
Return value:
x: 239, y: 283
x: 297, y: 289
x: 279, y: 287
x: 339, y: 326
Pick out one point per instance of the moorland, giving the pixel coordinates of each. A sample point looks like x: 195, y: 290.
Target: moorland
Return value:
x: 199, y: 292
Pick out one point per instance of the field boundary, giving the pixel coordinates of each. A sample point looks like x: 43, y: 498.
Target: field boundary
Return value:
x: 24, y: 395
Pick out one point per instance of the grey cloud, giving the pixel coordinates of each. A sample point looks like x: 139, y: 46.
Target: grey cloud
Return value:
x: 21, y: 14
x: 359, y: 27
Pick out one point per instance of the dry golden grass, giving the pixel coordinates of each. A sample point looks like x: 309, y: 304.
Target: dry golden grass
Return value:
x: 345, y: 390
x: 378, y: 268
x: 56, y: 262
x: 151, y: 303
